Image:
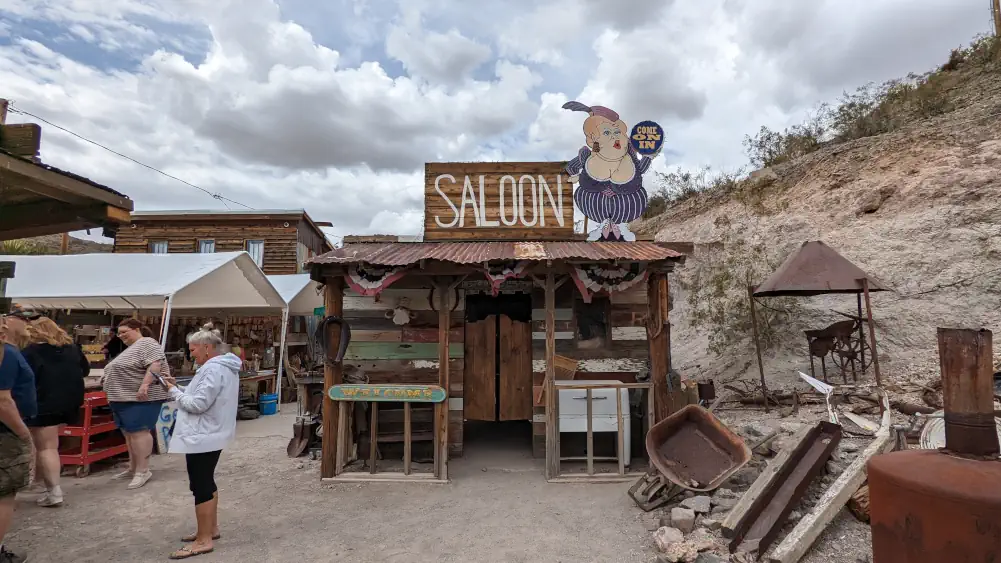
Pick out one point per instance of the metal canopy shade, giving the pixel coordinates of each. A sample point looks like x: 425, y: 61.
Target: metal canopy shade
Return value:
x: 816, y: 269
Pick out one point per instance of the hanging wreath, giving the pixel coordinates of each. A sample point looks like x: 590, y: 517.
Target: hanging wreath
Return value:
x: 371, y: 280
x: 595, y: 278
x: 500, y: 272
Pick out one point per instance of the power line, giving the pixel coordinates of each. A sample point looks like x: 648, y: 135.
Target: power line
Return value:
x: 214, y: 195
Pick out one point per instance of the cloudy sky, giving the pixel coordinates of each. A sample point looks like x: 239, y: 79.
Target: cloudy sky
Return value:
x: 334, y: 106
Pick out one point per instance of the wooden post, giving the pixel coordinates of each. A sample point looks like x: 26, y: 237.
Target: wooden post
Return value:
x: 407, y: 441
x: 441, y: 409
x: 373, y: 436
x: 996, y: 9
x: 342, y: 427
x: 3, y: 111
x: 620, y: 431
x: 667, y: 397
x: 552, y: 401
x: 589, y: 397
x: 872, y: 330
x: 333, y: 302
x: 757, y: 346
x: 64, y: 245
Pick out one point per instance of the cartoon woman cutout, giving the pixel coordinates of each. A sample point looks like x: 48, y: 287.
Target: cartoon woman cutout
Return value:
x: 609, y: 173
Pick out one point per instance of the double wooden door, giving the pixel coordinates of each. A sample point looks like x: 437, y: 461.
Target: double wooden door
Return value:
x: 497, y: 383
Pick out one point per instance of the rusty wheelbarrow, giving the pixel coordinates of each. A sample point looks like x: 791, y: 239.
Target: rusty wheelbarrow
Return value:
x: 691, y: 450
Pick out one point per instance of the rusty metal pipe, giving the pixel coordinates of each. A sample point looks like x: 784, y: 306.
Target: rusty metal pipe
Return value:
x: 968, y: 389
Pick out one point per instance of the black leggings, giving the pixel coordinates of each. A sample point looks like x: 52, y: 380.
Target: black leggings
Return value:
x: 201, y: 475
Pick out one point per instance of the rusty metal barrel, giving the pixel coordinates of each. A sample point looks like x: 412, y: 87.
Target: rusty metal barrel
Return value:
x: 944, y: 506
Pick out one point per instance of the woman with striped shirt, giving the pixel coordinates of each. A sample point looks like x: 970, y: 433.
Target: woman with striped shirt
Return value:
x: 135, y: 396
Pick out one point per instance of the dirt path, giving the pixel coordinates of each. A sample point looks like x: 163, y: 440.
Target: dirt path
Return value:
x: 498, y: 508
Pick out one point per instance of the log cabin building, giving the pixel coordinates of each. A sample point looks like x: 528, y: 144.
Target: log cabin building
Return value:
x: 280, y: 241
x: 482, y: 310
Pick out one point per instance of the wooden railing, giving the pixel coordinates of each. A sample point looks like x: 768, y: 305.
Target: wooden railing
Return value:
x: 344, y: 395
x: 622, y: 418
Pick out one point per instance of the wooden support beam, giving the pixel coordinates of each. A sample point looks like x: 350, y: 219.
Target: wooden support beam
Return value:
x: 344, y: 438
x: 441, y: 409
x: 373, y: 436
x: 620, y: 433
x: 407, y: 438
x: 333, y: 302
x: 589, y: 397
x: 668, y: 395
x: 52, y: 184
x: 549, y: 385
x: 872, y: 331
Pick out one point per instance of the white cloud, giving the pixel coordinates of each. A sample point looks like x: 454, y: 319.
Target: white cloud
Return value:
x: 242, y: 98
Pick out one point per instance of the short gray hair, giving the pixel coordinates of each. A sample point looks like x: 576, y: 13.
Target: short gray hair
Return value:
x: 206, y: 335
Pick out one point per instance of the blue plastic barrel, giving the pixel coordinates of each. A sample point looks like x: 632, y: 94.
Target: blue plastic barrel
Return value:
x: 268, y: 403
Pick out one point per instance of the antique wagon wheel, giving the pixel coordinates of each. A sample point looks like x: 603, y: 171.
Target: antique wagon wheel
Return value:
x: 847, y: 355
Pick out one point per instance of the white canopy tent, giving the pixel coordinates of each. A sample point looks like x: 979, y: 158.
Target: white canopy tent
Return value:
x: 224, y: 281
x: 303, y: 297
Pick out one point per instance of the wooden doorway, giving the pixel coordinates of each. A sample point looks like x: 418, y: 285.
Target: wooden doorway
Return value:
x: 497, y: 383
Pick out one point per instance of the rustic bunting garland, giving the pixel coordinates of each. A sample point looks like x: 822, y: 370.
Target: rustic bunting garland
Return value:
x: 371, y: 280
x: 591, y: 279
x: 497, y: 274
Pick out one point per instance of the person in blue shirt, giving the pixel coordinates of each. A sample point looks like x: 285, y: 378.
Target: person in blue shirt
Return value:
x: 17, y: 402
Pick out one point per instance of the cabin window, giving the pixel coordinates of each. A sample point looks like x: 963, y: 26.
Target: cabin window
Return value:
x: 206, y: 246
x: 158, y: 247
x: 256, y: 250
x: 592, y: 320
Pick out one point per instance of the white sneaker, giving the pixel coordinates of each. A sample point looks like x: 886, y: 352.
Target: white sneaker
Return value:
x: 49, y: 499
x: 123, y: 475
x: 140, y: 479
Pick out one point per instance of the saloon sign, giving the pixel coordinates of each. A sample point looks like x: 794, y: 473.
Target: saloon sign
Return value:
x: 497, y: 201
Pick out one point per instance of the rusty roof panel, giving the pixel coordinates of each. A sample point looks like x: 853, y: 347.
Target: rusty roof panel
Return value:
x: 406, y: 253
x: 816, y: 269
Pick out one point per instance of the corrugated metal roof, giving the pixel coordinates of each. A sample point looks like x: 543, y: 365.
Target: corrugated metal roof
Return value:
x: 816, y: 269
x: 405, y: 253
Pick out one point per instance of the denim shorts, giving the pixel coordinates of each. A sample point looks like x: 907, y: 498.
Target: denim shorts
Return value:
x: 136, y: 416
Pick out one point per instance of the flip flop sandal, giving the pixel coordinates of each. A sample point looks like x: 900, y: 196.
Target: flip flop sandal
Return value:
x: 192, y: 537
x: 186, y: 552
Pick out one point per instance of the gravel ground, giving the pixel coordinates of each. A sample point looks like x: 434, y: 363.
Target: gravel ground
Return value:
x: 498, y: 508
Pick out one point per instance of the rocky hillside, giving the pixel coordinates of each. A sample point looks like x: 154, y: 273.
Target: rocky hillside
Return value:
x: 51, y: 244
x: 917, y: 206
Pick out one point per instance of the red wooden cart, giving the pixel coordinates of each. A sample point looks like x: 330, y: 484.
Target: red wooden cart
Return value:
x: 99, y: 437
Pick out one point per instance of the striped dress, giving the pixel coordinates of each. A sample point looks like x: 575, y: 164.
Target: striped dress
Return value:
x: 124, y: 375
x: 627, y: 202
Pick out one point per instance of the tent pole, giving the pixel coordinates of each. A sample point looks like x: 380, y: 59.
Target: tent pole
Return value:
x: 167, y: 303
x: 281, y: 356
x: 872, y: 330
x: 757, y: 345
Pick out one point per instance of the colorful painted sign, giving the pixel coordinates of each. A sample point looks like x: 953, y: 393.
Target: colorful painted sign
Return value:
x: 388, y: 393
x: 609, y: 173
x: 497, y: 201
x: 168, y: 414
x: 647, y: 138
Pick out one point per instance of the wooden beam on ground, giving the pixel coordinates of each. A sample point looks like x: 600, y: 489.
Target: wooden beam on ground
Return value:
x: 801, y: 538
x: 441, y: 409
x: 739, y: 512
x: 333, y: 303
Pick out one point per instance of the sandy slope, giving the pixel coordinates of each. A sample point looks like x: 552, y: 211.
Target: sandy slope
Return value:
x: 937, y: 186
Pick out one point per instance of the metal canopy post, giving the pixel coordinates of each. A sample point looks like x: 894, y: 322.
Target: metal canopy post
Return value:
x: 167, y: 303
x: 281, y: 356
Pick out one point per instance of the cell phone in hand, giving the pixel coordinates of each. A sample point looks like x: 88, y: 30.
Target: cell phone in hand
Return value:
x: 159, y: 379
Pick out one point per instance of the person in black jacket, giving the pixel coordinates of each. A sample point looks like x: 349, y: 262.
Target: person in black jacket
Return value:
x: 59, y: 366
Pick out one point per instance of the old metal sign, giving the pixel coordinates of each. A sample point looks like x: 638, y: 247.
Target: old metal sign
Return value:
x: 497, y: 201
x: 388, y: 393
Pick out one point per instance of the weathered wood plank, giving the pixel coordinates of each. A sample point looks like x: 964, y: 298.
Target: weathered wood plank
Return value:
x: 515, y: 370
x: 413, y: 299
x: 559, y: 335
x: 565, y: 314
x: 398, y: 351
x: 430, y: 335
x: 479, y: 384
x: 628, y: 333
x: 376, y: 335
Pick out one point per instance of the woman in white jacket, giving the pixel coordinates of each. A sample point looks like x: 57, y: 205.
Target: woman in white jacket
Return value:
x: 205, y: 425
